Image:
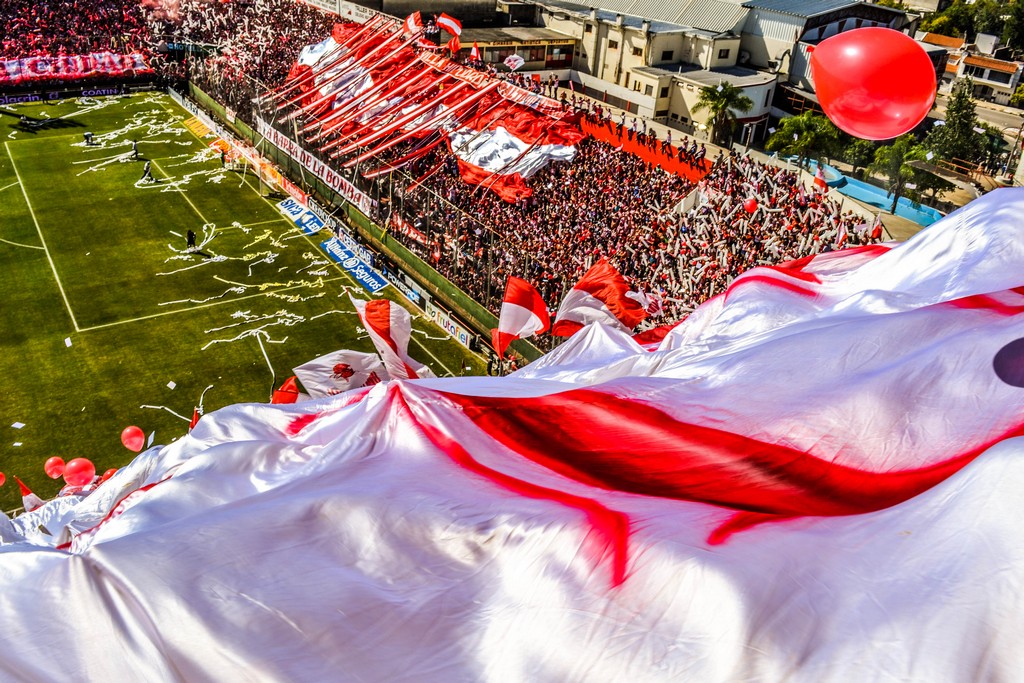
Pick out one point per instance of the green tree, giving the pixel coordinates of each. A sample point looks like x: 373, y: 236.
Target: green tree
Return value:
x: 1017, y: 98
x: 1013, y: 32
x: 940, y: 24
x: 988, y: 17
x: 958, y: 139
x: 722, y: 102
x: 859, y: 154
x: 893, y: 162
x: 807, y: 136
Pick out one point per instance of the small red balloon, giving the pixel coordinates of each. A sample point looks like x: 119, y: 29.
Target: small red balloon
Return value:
x: 3, y: 478
x: 874, y: 83
x: 750, y: 205
x: 79, y: 472
x: 133, y: 438
x: 107, y: 475
x: 54, y: 467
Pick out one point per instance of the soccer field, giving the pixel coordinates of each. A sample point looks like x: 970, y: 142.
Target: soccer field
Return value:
x: 104, y: 312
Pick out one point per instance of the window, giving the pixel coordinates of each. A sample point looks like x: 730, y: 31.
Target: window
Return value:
x: 723, y: 53
x: 636, y: 86
x: 664, y: 92
x: 648, y: 90
x: 588, y: 29
x: 613, y: 45
x: 999, y: 76
x: 675, y: 116
x: 637, y: 52
x: 666, y: 56
x: 662, y: 113
x: 767, y: 97
x: 558, y: 56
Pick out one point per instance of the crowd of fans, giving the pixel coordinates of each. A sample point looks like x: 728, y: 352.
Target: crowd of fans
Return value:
x: 35, y: 28
x: 606, y: 202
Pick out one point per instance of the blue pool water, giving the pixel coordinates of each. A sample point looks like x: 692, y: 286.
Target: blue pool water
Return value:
x: 877, y: 197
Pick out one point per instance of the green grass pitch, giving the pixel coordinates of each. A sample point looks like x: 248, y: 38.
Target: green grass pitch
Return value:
x: 91, y: 254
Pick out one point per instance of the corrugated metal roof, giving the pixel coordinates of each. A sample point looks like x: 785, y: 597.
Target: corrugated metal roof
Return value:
x: 714, y: 16
x: 801, y: 8
x: 717, y: 16
x: 613, y: 7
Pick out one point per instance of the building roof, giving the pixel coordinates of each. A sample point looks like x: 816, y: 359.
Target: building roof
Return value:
x: 992, y: 64
x: 736, y: 75
x: 944, y: 41
x: 515, y: 34
x: 712, y: 16
x: 808, y: 8
x: 609, y: 15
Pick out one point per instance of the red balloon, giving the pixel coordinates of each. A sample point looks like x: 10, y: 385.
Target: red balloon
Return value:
x: 54, y: 467
x: 107, y: 475
x: 79, y: 472
x: 3, y: 478
x: 133, y: 438
x: 874, y: 83
x: 750, y: 205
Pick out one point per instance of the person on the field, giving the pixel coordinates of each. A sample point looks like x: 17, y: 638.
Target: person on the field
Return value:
x: 135, y: 150
x: 146, y: 175
x: 190, y: 240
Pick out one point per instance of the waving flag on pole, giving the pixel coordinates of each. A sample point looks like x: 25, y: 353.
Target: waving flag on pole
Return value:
x: 390, y: 327
x: 454, y: 45
x: 474, y: 54
x: 819, y: 179
x: 523, y: 314
x: 29, y: 500
x: 513, y: 62
x: 413, y: 24
x: 449, y: 24
x: 601, y: 296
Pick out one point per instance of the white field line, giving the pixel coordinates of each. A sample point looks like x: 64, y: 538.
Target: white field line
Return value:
x: 222, y: 302
x: 7, y: 187
x: 42, y: 239
x: 16, y: 244
x: 183, y: 194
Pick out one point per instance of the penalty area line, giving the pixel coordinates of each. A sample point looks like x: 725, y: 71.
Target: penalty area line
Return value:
x: 42, y: 240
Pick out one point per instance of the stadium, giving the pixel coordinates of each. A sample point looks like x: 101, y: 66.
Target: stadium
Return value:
x: 335, y: 352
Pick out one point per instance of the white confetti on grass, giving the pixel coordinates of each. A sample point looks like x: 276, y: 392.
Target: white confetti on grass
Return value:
x: 18, y: 425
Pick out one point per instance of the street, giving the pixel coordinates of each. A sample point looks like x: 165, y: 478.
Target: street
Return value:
x: 1006, y: 121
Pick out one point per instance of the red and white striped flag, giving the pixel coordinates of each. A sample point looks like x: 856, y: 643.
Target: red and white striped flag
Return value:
x: 842, y: 236
x: 454, y: 45
x: 449, y: 24
x: 876, y: 227
x: 523, y: 314
x: 413, y: 23
x: 475, y: 52
x: 601, y: 296
x: 819, y: 179
x: 29, y: 500
x: 390, y: 327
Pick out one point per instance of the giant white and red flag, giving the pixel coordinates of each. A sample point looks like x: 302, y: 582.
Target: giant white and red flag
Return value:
x: 523, y: 314
x: 817, y: 477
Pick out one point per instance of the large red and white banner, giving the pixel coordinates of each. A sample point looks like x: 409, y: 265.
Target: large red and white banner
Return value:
x: 817, y: 479
x: 71, y: 67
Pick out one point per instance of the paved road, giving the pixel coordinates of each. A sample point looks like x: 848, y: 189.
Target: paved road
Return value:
x: 997, y: 117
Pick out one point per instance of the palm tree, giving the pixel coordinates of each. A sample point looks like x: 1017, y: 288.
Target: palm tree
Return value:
x: 721, y: 101
x: 892, y: 161
x: 806, y: 136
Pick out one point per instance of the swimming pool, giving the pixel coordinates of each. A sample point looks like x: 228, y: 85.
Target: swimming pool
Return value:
x: 876, y: 196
